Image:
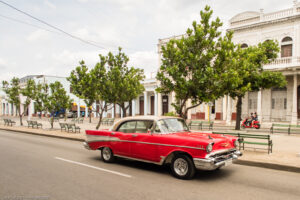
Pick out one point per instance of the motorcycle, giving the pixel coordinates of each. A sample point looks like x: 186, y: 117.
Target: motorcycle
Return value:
x: 253, y: 124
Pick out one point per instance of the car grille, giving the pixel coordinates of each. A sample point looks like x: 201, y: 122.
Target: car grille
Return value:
x: 222, y: 156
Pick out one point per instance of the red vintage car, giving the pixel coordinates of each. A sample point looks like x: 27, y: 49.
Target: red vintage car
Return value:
x: 164, y: 140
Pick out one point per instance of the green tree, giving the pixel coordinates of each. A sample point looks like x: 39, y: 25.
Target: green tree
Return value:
x: 39, y: 98
x: 103, y: 88
x: 55, y: 99
x: 197, y: 66
x: 14, y: 92
x: 248, y: 64
x: 123, y: 82
x: 84, y: 85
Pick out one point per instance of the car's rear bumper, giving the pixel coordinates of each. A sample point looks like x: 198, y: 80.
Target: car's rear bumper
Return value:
x: 217, y: 160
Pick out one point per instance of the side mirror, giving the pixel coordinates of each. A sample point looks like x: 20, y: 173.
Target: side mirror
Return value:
x: 149, y: 131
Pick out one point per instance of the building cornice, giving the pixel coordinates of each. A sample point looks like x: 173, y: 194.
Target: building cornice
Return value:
x: 259, y: 24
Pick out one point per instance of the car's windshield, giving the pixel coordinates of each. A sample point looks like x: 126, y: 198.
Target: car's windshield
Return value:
x: 170, y: 125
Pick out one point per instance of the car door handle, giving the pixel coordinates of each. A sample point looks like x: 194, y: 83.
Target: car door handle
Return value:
x: 112, y: 133
x: 134, y: 135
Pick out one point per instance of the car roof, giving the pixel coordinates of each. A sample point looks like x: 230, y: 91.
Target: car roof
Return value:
x: 149, y: 117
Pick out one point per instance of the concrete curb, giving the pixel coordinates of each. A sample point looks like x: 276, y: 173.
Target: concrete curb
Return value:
x: 268, y: 165
x: 239, y: 162
x: 40, y: 134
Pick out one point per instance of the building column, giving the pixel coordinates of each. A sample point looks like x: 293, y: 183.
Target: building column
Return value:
x: 172, y: 100
x: 145, y: 104
x: 159, y: 104
x: 259, y: 106
x: 113, y: 112
x: 228, y: 117
x: 189, y: 113
x: 294, y: 109
x: 155, y: 104
x: 133, y: 107
x: 86, y: 111
x: 224, y: 109
x: 30, y: 111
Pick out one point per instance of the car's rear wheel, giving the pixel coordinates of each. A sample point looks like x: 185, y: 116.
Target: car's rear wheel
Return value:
x: 183, y: 167
x: 107, y: 155
x: 257, y: 126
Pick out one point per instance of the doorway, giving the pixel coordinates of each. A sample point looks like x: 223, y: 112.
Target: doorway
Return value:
x: 165, y: 104
x: 141, y: 105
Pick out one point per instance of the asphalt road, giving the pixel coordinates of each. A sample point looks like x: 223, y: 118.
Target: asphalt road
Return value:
x: 36, y: 167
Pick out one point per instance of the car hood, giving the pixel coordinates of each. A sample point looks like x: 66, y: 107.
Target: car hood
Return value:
x: 220, y: 141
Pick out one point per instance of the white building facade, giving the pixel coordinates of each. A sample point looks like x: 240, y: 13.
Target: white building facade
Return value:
x: 276, y: 104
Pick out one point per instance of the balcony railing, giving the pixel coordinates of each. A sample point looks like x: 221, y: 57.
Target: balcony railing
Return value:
x: 283, y: 63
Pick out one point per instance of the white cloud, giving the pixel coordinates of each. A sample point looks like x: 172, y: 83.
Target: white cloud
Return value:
x: 38, y: 35
x: 147, y: 60
x: 49, y: 4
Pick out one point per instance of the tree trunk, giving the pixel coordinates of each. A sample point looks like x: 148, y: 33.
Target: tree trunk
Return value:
x: 100, y: 120
x: 90, y: 116
x: 52, y: 121
x: 21, y: 122
x: 123, y: 109
x: 20, y: 115
x: 238, y: 113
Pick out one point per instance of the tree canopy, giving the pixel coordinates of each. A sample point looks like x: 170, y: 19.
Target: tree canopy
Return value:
x: 248, y: 64
x: 124, y: 82
x: 56, y: 98
x: 110, y: 82
x: 14, y: 92
x: 197, y: 66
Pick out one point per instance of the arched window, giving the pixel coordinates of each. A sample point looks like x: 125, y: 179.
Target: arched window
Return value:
x: 287, y: 47
x: 244, y: 45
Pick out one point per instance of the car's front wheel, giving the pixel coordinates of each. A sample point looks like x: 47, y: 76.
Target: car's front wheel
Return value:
x: 107, y: 155
x: 183, y: 167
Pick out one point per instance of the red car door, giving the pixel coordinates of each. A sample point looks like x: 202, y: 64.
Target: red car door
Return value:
x: 143, y: 145
x: 121, y: 139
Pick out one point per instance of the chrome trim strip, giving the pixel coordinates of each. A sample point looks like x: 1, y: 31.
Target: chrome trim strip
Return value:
x: 142, y: 160
x: 115, y: 139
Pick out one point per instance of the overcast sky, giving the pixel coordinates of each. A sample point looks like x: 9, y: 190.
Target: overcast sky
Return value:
x: 135, y: 25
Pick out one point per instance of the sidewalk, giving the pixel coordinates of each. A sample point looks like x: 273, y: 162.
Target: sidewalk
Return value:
x: 285, y: 156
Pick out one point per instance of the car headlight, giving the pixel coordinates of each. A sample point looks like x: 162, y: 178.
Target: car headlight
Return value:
x: 236, y: 143
x: 209, y: 148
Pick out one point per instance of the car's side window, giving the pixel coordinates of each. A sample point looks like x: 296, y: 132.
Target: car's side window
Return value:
x: 143, y: 126
x: 127, y: 127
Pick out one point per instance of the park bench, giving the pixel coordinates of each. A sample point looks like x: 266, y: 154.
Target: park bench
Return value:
x: 110, y: 121
x: 77, y: 120
x: 5, y: 121
x: 246, y: 139
x: 104, y: 121
x: 195, y: 124
x: 34, y: 124
x: 9, y: 122
x: 207, y: 124
x: 56, y: 119
x: 72, y: 127
x: 251, y: 139
x: 294, y: 129
x: 280, y: 128
x: 63, y: 126
x: 80, y: 120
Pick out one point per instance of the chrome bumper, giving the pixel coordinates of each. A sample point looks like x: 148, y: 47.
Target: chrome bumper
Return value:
x: 86, y: 145
x: 216, y: 161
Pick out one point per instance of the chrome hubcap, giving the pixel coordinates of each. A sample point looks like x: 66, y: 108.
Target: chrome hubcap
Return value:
x: 181, y: 166
x: 106, y: 153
